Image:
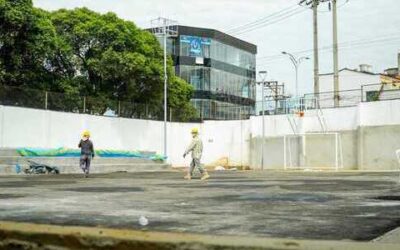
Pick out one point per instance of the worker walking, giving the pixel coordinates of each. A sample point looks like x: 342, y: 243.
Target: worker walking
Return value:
x: 87, y: 152
x: 196, y: 147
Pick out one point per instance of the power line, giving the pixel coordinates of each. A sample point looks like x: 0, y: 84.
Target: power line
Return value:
x: 345, y: 45
x: 260, y: 20
x: 274, y: 21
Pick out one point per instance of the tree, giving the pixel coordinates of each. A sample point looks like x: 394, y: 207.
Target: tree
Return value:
x: 179, y: 97
x: 27, y: 41
x: 83, y: 53
x: 119, y: 60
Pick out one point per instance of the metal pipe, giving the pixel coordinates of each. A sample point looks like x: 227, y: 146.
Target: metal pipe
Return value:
x: 263, y: 126
x: 46, y: 100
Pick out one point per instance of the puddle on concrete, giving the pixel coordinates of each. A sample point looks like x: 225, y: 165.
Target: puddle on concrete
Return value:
x: 388, y: 198
x: 104, y: 189
x: 382, y: 204
x: 383, y: 201
x: 292, y: 197
x: 32, y: 183
x: 337, y: 185
x: 11, y: 196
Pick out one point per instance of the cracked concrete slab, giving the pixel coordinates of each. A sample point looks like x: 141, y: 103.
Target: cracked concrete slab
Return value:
x: 301, y: 205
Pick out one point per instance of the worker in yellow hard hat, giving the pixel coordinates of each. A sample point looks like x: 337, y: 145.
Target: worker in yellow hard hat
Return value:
x: 196, y: 147
x: 86, y: 134
x: 87, y: 152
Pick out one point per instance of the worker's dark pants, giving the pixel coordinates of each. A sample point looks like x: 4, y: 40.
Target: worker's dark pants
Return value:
x: 84, y: 163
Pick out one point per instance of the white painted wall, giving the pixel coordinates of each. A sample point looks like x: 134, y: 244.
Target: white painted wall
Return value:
x: 350, y: 87
x: 339, y: 119
x: 24, y: 127
x: 348, y: 80
x: 380, y: 113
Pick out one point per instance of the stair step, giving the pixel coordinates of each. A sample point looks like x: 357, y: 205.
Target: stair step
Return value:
x: 8, y: 152
x: 70, y: 160
x: 101, y: 168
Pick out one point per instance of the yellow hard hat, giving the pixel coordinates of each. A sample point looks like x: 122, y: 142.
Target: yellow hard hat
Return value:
x: 195, y: 130
x: 86, y: 133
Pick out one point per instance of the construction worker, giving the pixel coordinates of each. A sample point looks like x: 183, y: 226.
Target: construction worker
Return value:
x: 87, y: 152
x: 196, y: 147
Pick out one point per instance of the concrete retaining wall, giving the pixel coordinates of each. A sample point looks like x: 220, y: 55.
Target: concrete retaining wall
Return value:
x: 377, y: 146
x: 24, y: 127
x: 369, y: 132
x: 319, y: 150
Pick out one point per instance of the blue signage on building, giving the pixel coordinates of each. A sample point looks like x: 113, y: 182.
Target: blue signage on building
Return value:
x: 196, y: 43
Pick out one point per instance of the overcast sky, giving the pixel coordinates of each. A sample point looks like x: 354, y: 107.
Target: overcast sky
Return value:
x: 371, y: 27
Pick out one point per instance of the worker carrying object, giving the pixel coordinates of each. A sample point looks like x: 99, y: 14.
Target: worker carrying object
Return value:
x: 196, y: 147
x: 87, y: 152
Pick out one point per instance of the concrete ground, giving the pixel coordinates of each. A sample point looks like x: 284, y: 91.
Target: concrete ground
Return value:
x: 303, y: 205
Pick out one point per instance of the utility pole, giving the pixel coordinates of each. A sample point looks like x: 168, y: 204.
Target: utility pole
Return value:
x: 335, y: 55
x: 263, y: 75
x: 315, y: 4
x: 163, y: 27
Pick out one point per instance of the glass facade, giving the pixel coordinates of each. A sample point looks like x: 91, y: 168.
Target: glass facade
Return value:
x: 171, y: 45
x: 218, y: 51
x: 223, y: 78
x: 217, y: 110
x: 218, y: 81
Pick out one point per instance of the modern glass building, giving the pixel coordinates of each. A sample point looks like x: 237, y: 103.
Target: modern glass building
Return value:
x: 221, y: 69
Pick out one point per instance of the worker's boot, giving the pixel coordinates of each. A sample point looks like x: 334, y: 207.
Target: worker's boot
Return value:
x: 205, y: 176
x: 188, y: 177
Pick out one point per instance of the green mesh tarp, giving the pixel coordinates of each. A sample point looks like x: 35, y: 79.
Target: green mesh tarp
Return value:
x: 67, y: 152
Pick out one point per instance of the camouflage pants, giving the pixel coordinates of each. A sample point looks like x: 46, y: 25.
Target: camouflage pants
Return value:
x: 196, y: 163
x: 84, y: 163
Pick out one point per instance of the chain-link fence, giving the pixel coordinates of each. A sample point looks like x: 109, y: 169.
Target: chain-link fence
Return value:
x: 38, y: 99
x: 345, y: 98
x: 30, y: 98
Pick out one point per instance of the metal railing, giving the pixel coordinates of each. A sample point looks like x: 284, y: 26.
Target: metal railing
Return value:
x: 379, y: 92
x: 347, y: 98
x: 39, y: 99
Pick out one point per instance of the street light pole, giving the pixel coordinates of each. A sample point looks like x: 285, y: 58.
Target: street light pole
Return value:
x: 263, y: 75
x: 165, y: 86
x: 296, y: 63
x: 164, y: 28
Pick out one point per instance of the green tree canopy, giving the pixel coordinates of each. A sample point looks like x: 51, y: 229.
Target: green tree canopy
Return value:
x: 81, y: 52
x: 27, y: 43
